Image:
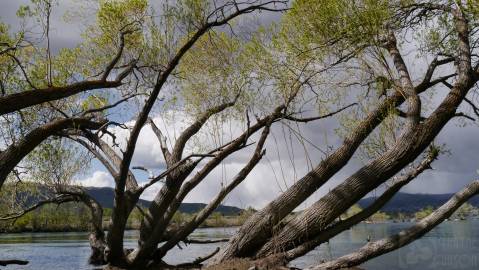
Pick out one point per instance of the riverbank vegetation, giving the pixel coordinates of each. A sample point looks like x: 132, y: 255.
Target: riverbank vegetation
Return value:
x: 71, y: 216
x: 216, y: 81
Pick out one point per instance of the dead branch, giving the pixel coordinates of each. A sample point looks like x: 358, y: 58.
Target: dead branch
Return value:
x: 7, y: 262
x: 207, y: 241
x: 305, y: 120
x: 199, y: 260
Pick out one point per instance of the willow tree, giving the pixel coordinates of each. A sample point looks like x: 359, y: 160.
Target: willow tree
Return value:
x: 196, y: 60
x: 150, y: 46
x: 369, y: 34
x: 45, y: 92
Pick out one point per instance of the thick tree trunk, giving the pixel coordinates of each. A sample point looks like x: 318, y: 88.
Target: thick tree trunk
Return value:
x: 97, y: 245
x: 21, y: 100
x: 375, y: 249
x: 152, y: 228
x: 343, y: 225
x: 317, y: 217
x: 257, y: 229
x: 124, y: 203
x: 97, y: 235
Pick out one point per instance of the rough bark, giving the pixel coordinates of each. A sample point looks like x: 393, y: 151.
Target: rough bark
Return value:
x: 97, y: 246
x: 97, y: 234
x: 377, y: 248
x: 257, y: 229
x: 343, y: 225
x: 21, y: 100
x: 315, y: 219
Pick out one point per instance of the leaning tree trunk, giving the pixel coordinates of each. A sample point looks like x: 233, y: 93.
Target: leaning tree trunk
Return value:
x: 257, y: 229
x: 375, y: 249
x: 343, y: 225
x: 415, y: 139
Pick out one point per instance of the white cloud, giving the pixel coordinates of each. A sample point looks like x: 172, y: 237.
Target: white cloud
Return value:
x: 97, y: 179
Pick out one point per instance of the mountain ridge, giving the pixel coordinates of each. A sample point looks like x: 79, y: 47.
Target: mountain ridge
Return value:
x: 401, y: 202
x: 105, y: 195
x: 413, y: 202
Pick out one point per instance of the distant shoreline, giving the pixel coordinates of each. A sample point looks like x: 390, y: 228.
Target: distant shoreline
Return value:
x: 210, y: 226
x: 106, y: 230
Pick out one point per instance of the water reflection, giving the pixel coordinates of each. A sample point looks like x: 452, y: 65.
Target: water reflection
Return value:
x: 452, y: 245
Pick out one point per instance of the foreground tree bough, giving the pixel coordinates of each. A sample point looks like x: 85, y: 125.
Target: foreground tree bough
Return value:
x: 340, y: 226
x: 404, y: 237
x: 256, y: 238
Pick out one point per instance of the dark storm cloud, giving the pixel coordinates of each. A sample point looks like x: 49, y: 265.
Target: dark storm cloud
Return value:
x: 278, y: 171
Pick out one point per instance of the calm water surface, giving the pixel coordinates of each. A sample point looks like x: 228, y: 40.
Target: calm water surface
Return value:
x: 452, y: 245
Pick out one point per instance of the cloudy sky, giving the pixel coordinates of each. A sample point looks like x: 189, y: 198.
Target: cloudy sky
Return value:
x: 286, y: 160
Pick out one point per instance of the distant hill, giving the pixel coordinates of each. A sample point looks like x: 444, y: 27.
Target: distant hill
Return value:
x: 104, y: 196
x: 411, y: 203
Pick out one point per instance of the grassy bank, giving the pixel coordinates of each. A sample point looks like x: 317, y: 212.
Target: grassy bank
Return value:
x: 75, y: 217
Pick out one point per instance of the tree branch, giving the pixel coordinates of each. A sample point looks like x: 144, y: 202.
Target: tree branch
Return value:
x: 16, y: 152
x: 57, y: 200
x: 343, y: 225
x: 117, y: 57
x: 7, y: 262
x: 473, y: 106
x: 380, y: 247
x: 305, y: 120
x: 194, y: 128
x: 161, y: 139
x: 412, y: 98
x: 206, y: 212
x: 426, y: 82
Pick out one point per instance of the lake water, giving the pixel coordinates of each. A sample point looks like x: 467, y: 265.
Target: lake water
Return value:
x: 452, y: 245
